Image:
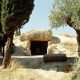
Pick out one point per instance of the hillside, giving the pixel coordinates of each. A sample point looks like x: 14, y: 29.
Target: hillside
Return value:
x: 33, y: 67
x: 67, y: 45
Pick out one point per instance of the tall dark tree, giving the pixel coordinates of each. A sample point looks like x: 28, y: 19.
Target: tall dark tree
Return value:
x: 66, y: 12
x: 0, y: 17
x: 13, y: 14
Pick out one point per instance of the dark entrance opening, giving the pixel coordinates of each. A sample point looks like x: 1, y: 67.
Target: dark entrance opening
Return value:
x: 39, y: 47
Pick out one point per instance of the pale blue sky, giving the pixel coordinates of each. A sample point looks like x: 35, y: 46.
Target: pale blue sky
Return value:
x: 40, y: 19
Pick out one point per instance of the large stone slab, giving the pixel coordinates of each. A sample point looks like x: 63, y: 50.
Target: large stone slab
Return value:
x: 37, y: 35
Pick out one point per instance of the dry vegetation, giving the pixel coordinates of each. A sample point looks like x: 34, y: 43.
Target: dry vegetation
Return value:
x: 47, y: 71
x: 36, y: 69
x: 67, y: 35
x: 77, y: 70
x: 70, y: 46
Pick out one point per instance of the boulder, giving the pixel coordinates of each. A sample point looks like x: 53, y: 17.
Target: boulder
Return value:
x: 51, y: 49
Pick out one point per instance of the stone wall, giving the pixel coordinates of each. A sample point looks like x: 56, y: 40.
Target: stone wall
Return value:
x: 36, y: 35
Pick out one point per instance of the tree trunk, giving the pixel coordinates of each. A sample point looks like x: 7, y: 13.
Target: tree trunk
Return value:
x: 78, y: 40
x: 2, y: 50
x: 8, y: 51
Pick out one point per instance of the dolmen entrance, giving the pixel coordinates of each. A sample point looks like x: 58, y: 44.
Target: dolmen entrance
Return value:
x: 38, y: 42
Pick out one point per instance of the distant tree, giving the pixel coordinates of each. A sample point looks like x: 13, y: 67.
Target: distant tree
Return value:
x: 13, y: 14
x: 66, y: 12
x: 18, y: 32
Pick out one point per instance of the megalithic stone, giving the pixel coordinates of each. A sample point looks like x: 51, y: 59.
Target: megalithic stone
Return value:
x: 54, y: 57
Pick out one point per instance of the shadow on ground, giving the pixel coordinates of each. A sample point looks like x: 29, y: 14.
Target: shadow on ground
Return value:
x: 19, y: 51
x: 36, y: 62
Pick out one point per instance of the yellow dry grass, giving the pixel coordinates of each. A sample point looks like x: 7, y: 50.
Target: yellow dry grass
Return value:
x: 70, y: 46
x: 48, y: 72
x: 69, y: 36
x: 28, y: 74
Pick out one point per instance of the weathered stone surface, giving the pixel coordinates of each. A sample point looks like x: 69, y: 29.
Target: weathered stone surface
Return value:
x: 43, y: 35
x: 53, y: 49
x: 50, y: 49
x: 28, y: 52
x: 28, y: 43
x: 26, y: 46
x: 50, y: 43
x: 54, y: 57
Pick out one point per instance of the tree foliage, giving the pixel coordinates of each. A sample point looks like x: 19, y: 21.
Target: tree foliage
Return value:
x: 65, y: 12
x: 0, y: 17
x: 14, y: 13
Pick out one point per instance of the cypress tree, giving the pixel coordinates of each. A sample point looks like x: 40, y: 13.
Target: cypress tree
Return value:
x: 13, y: 14
x: 0, y: 17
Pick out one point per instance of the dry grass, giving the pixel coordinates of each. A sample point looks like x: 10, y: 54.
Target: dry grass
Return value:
x: 47, y: 72
x: 15, y: 64
x: 70, y: 43
x: 7, y: 74
x: 70, y: 46
x: 34, y: 74
x: 77, y: 71
x: 67, y: 35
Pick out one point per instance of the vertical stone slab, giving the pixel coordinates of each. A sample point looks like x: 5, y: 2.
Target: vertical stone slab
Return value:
x: 28, y: 43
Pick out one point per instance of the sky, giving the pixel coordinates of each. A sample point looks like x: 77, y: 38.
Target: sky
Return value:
x: 39, y: 19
